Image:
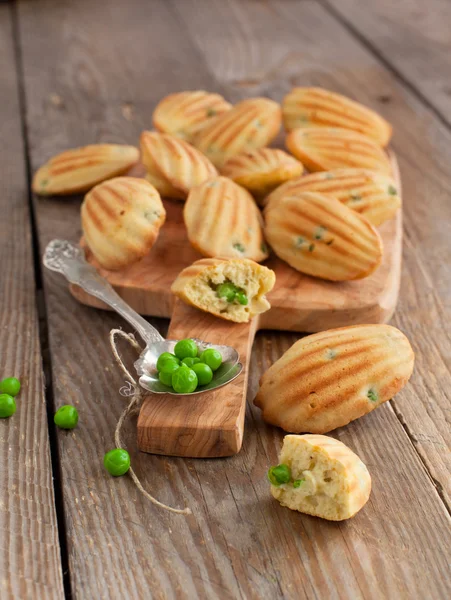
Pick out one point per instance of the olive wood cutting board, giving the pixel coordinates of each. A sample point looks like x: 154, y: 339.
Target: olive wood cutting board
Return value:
x: 212, y: 424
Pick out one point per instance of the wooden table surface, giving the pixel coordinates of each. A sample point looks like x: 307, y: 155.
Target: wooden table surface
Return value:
x: 74, y: 72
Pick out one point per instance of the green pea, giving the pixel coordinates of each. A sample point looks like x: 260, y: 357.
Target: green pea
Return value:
x: 10, y: 386
x: 242, y: 298
x: 212, y: 358
x: 185, y: 348
x: 227, y: 291
x: 189, y: 361
x: 7, y: 406
x: 117, y: 462
x: 66, y: 417
x: 298, y: 482
x: 279, y: 474
x: 167, y: 363
x: 165, y: 378
x: 184, y: 380
x: 203, y: 372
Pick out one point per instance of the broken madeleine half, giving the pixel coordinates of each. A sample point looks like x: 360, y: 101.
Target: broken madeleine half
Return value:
x: 316, y: 107
x: 78, y: 170
x: 328, y: 379
x: 184, y: 114
x: 230, y: 288
x: 319, y: 236
x: 320, y: 476
x: 374, y: 195
x: 250, y: 124
x: 261, y: 171
x: 121, y: 219
x: 173, y: 166
x: 324, y: 149
x: 222, y: 219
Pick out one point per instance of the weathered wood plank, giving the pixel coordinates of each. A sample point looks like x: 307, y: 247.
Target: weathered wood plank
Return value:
x: 414, y: 39
x: 30, y: 565
x: 239, y: 542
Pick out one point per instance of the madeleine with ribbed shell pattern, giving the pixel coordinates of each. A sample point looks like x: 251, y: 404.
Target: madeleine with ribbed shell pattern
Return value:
x: 316, y: 107
x: 261, y: 171
x: 319, y: 236
x: 121, y: 219
x: 184, y: 114
x: 197, y: 285
x: 173, y: 166
x: 78, y: 170
x: 324, y: 149
x: 333, y: 483
x: 373, y: 195
x: 222, y: 219
x: 328, y: 379
x: 250, y: 124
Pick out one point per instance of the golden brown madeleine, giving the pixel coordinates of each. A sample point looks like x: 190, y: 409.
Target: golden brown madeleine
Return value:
x: 328, y: 379
x: 327, y: 479
x: 318, y: 235
x: 374, y: 195
x: 324, y: 149
x: 316, y: 107
x: 222, y: 219
x: 249, y: 125
x: 173, y: 166
x: 230, y: 288
x: 78, y: 170
x: 184, y: 114
x: 261, y: 171
x: 121, y: 219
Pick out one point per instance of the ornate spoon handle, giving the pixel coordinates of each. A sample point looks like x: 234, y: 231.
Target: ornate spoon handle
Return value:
x: 69, y: 260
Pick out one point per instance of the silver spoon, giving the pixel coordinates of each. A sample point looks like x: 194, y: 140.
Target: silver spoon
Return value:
x: 69, y: 260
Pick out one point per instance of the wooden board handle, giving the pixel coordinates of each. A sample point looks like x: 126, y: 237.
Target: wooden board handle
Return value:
x: 208, y: 425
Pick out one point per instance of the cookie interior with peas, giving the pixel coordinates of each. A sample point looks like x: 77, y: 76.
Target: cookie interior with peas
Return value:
x: 233, y: 289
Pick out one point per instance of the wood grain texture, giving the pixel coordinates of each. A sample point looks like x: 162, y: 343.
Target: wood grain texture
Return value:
x: 30, y: 565
x: 413, y: 38
x: 238, y: 543
x: 208, y: 425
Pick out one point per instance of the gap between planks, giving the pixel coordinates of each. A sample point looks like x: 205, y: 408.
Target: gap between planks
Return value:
x: 43, y: 331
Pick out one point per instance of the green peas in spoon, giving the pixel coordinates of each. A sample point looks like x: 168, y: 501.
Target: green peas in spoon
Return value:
x: 184, y: 380
x: 189, y: 361
x: 212, y: 358
x: 10, y: 386
x: 203, y: 372
x: 117, y: 462
x: 7, y: 406
x: 185, y: 348
x: 167, y: 363
x: 165, y: 378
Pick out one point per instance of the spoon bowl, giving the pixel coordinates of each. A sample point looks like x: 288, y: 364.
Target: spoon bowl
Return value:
x: 63, y: 257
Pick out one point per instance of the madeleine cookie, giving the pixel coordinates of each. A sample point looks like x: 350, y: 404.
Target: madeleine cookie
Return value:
x: 249, y: 125
x: 78, y: 170
x: 328, y: 379
x: 320, y: 476
x: 324, y: 149
x: 222, y: 219
x: 233, y: 289
x: 261, y: 171
x: 373, y: 195
x: 121, y: 219
x: 186, y: 113
x: 315, y: 107
x: 173, y: 166
x: 318, y: 235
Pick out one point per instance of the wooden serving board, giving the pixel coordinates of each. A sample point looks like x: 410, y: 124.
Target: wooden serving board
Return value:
x: 212, y: 424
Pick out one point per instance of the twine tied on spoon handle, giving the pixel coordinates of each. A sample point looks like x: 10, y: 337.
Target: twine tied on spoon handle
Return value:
x: 133, y: 407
